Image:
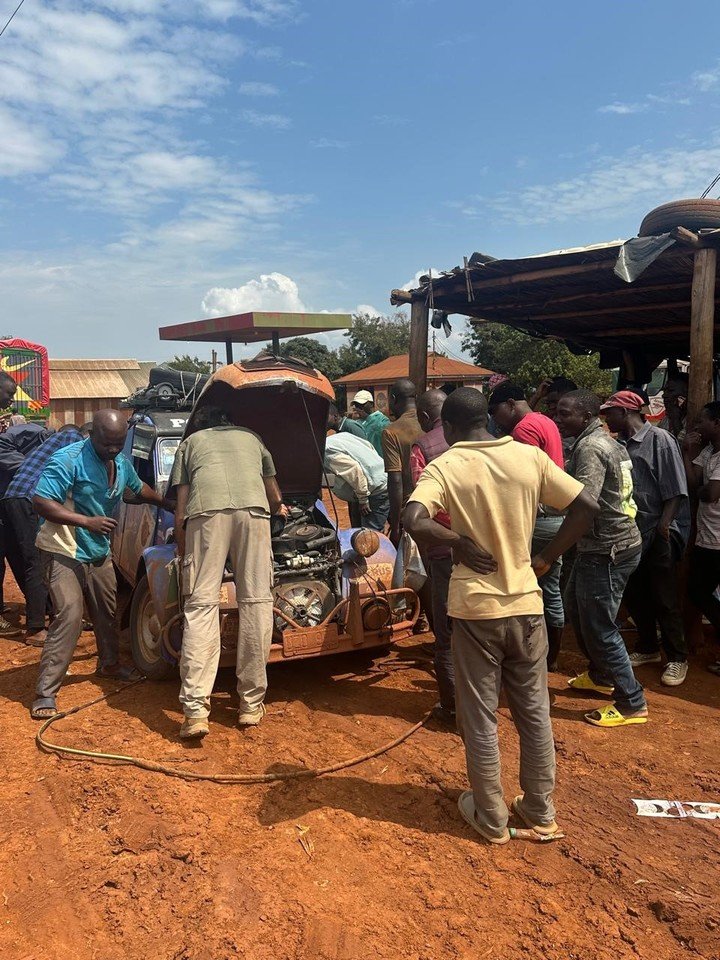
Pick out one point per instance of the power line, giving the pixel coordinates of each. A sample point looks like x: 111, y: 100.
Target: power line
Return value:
x: 12, y: 16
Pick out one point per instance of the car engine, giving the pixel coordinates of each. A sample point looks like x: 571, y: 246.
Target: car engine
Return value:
x: 306, y: 567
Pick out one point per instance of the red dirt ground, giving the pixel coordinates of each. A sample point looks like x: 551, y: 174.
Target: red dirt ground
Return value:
x: 113, y: 862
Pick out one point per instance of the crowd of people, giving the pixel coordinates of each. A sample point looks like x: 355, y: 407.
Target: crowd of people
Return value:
x: 527, y: 513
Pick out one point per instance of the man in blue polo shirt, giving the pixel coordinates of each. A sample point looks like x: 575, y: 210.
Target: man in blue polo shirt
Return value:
x: 79, y: 489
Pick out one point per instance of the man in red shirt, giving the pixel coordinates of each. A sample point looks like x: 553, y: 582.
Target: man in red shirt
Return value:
x: 513, y: 414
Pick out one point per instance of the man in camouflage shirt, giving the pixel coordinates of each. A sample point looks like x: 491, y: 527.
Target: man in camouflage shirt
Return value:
x: 606, y: 557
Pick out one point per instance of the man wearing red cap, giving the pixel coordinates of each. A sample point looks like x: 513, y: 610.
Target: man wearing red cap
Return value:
x: 660, y: 492
x: 606, y: 557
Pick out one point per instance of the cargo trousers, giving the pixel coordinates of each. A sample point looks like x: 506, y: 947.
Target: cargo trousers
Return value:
x: 244, y: 537
x: 510, y: 652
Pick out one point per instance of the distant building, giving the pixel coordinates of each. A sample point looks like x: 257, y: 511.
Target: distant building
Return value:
x: 79, y: 388
x: 443, y: 373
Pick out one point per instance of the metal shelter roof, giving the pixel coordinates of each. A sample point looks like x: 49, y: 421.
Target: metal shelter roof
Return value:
x: 256, y: 327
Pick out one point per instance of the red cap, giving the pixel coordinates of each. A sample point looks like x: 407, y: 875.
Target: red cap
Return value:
x: 625, y: 399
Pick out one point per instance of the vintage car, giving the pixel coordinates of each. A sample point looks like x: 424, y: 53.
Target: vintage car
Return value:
x: 332, y: 586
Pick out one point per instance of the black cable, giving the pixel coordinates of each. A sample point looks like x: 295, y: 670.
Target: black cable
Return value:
x: 12, y: 17
x: 709, y: 188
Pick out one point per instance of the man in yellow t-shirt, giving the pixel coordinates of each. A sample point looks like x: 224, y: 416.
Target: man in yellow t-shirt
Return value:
x: 491, y: 489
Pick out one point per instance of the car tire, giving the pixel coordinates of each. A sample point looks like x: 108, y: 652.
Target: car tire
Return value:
x: 691, y: 214
x: 145, y: 641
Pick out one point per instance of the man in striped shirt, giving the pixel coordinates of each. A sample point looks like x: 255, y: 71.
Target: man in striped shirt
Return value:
x: 21, y: 526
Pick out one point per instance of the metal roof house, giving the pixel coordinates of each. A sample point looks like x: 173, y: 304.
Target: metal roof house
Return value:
x: 442, y: 372
x: 79, y: 388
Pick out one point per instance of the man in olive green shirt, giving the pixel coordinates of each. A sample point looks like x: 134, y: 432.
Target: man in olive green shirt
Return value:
x: 226, y: 491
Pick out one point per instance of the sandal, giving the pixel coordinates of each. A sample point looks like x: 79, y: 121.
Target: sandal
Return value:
x: 715, y: 668
x: 43, y: 712
x: 610, y: 716
x: 466, y: 806
x: 544, y: 829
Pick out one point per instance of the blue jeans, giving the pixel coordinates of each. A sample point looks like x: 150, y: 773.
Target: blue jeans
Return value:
x: 592, y: 600
x: 379, y: 510
x: 544, y: 532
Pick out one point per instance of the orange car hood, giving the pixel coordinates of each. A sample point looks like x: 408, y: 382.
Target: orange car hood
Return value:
x: 286, y: 404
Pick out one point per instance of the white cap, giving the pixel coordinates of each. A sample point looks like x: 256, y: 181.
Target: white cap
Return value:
x: 363, y: 396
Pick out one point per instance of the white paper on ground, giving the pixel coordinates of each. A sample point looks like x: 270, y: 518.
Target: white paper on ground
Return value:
x: 678, y: 809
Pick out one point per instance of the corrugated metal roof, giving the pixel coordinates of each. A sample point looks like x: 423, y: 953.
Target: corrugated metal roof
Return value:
x: 97, y: 379
x: 439, y: 368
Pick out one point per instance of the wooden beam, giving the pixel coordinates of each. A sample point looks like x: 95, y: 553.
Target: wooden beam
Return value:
x: 419, y: 314
x: 571, y: 314
x: 631, y: 293
x: 702, y: 329
x: 683, y: 235
x: 398, y: 297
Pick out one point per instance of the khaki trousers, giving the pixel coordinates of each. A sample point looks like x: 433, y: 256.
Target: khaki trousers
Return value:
x: 244, y: 536
x: 510, y: 651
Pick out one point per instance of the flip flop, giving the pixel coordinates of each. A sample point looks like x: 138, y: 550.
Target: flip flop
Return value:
x: 610, y: 716
x: 544, y: 829
x: 43, y: 713
x: 715, y: 668
x: 466, y: 806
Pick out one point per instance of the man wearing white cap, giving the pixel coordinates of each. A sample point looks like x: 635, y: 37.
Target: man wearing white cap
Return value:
x: 373, y: 421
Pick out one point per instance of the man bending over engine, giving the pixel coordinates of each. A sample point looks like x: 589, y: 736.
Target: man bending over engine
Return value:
x: 226, y: 491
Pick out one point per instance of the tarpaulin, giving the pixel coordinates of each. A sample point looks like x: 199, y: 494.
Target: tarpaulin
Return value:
x: 637, y: 254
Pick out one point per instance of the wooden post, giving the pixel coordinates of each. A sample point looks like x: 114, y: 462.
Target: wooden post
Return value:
x: 419, y: 314
x: 229, y: 351
x: 702, y: 324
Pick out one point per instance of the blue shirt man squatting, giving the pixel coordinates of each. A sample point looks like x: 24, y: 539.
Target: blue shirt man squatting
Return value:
x: 75, y: 497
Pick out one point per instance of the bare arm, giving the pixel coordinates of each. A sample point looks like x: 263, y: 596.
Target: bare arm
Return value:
x: 57, y: 513
x: 423, y: 529
x: 183, y: 491
x: 692, y: 445
x: 274, y: 495
x: 395, y: 494
x: 580, y: 516
x: 669, y: 512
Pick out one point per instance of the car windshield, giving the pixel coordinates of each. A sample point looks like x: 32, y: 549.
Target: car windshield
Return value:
x: 167, y: 448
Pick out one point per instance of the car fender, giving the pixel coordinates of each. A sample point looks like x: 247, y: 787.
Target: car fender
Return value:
x: 161, y: 569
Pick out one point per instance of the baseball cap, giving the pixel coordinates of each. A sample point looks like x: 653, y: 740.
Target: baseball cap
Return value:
x: 625, y: 399
x: 363, y: 396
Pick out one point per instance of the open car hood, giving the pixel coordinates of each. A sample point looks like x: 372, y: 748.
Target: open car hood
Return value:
x: 286, y: 403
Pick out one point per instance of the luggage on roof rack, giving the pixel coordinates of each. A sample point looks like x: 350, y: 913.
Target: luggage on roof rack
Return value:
x: 168, y: 389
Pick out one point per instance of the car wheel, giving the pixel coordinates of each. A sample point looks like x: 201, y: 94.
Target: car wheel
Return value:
x: 145, y: 635
x: 691, y: 214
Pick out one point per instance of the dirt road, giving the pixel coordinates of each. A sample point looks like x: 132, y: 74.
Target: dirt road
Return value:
x: 112, y: 862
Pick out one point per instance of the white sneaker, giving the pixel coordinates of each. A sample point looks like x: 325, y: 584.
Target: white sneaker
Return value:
x: 674, y: 674
x: 251, y: 718
x: 637, y: 659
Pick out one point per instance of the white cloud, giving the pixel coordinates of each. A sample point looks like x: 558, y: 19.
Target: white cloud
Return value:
x: 272, y: 291
x: 326, y: 143
x: 253, y: 88
x: 25, y: 148
x: 275, y: 120
x: 367, y: 309
x: 623, y: 108
x: 637, y: 180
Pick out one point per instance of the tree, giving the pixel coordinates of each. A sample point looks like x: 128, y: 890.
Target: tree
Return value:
x: 190, y: 364
x: 528, y: 360
x: 372, y: 339
x: 319, y: 356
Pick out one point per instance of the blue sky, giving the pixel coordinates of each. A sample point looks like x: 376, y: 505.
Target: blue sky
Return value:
x: 164, y: 160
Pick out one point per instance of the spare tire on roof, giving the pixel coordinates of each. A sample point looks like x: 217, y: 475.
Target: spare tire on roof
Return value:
x: 691, y: 214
